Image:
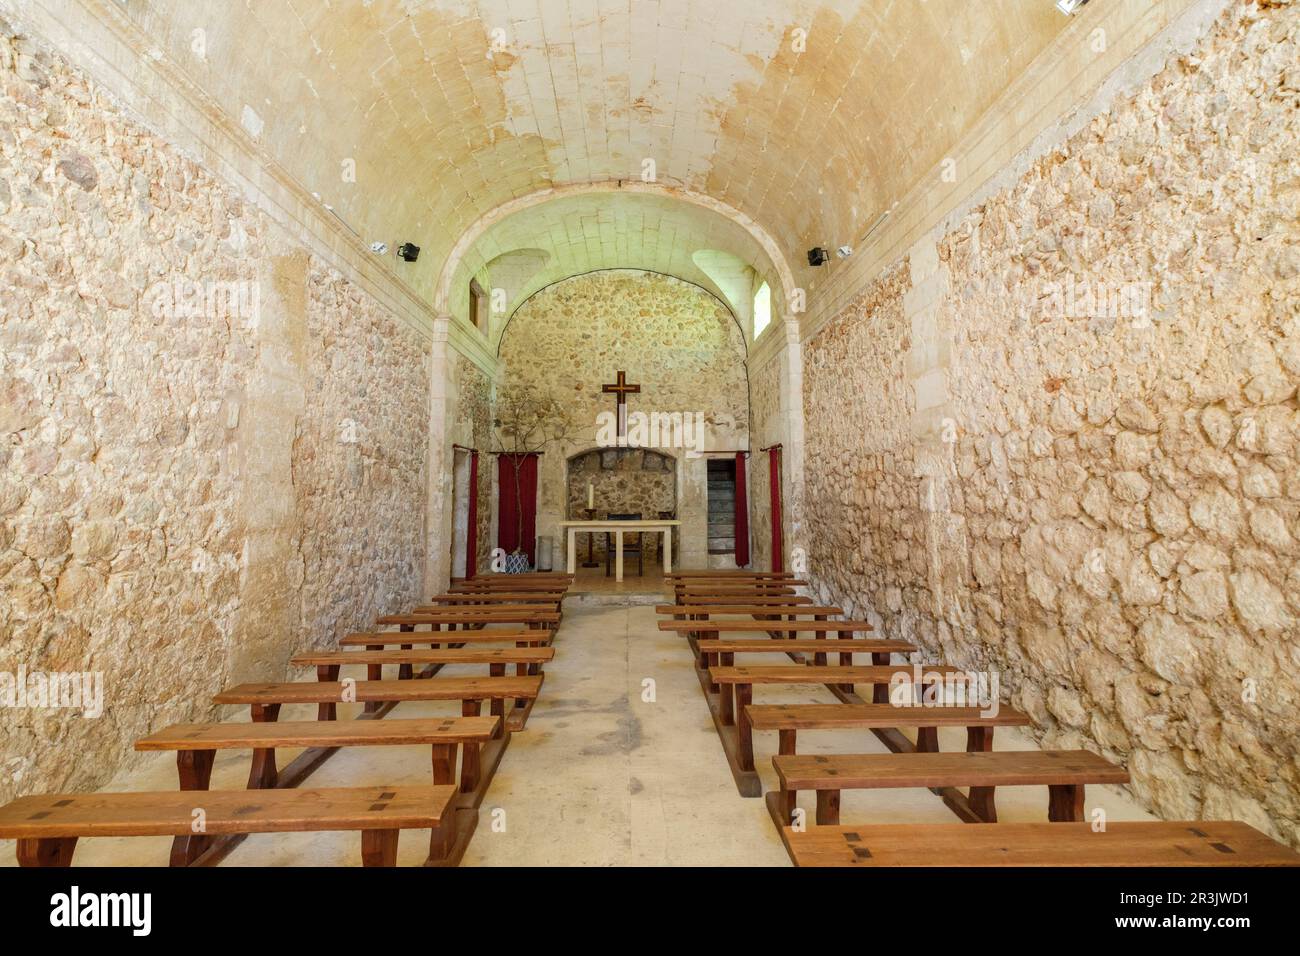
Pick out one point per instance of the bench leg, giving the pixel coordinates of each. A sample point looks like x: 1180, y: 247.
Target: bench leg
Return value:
x: 828, y: 808
x: 880, y: 693
x: 405, y: 671
x: 46, y: 851
x: 819, y: 659
x: 379, y: 847
x: 262, y: 775
x: 744, y: 733
x: 498, y: 705
x: 981, y: 798
x: 444, y: 764
x: 194, y: 767
x: 726, y: 711
x: 469, y: 763
x: 927, y: 740
x: 327, y: 673
x: 1065, y: 803
x: 373, y: 672
x: 787, y: 740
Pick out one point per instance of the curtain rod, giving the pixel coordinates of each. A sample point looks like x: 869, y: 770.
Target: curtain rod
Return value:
x: 770, y: 447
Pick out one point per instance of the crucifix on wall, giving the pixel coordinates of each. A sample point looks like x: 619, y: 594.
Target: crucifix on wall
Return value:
x: 621, y: 388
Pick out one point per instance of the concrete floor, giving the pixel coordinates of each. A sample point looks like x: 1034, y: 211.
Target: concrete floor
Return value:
x: 606, y: 774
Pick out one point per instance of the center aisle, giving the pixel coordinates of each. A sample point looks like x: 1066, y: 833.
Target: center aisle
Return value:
x: 603, y: 777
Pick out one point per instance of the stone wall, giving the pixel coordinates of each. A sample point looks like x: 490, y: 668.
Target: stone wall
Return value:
x: 472, y: 428
x: 177, y: 510
x: 678, y: 342
x: 769, y: 429
x: 359, y: 461
x: 1061, y: 441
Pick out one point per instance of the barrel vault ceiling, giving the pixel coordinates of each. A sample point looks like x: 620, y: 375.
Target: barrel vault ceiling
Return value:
x: 414, y: 118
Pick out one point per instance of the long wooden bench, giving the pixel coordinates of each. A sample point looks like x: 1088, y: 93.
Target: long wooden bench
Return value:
x: 265, y: 700
x: 532, y: 615
x: 884, y: 720
x: 479, y: 739
x: 196, y: 744
x: 718, y: 626
x: 527, y: 660
x: 784, y: 610
x: 533, y: 637
x: 764, y: 600
x: 725, y: 573
x: 1064, y: 772
x: 488, y: 598
x: 1191, y: 843
x: 734, y: 693
x: 723, y: 651
x: 48, y: 826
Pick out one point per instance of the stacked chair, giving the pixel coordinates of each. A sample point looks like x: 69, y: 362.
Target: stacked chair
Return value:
x: 497, y: 620
x: 761, y: 615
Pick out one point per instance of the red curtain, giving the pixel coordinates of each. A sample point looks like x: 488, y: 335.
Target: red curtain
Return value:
x: 513, y: 501
x: 774, y: 484
x: 471, y: 533
x: 742, y: 513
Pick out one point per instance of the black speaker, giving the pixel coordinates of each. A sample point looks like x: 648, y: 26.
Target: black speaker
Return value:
x: 408, y: 252
x: 817, y: 256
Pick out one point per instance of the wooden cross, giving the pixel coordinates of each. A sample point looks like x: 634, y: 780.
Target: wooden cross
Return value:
x: 622, y: 389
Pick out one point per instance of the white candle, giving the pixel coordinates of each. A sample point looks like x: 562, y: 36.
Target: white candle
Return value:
x: 591, y: 495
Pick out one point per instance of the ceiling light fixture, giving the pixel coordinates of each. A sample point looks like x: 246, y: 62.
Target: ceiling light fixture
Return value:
x: 379, y: 248
x: 1068, y: 7
x: 817, y: 256
x: 844, y: 251
x: 408, y: 252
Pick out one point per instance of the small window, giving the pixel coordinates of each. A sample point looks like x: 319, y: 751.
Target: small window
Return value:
x: 478, y: 306
x: 762, y: 309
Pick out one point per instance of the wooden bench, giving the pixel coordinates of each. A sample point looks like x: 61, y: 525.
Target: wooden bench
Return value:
x: 527, y: 660
x: 757, y: 627
x: 884, y: 720
x: 265, y: 700
x: 764, y: 600
x: 722, y: 652
x: 734, y: 693
x: 196, y: 744
x: 1191, y: 843
x: 784, y: 610
x: 1065, y: 773
x: 48, y: 826
x: 533, y: 637
x: 479, y: 739
x: 488, y: 598
x: 725, y: 573
x: 533, y: 615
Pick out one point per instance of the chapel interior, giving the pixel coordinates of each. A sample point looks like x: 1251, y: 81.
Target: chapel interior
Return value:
x: 764, y: 433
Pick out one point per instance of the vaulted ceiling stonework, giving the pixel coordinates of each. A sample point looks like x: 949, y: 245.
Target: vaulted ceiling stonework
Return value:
x: 413, y: 119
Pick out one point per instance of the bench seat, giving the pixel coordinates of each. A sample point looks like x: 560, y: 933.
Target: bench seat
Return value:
x: 1193, y: 843
x: 769, y: 627
x: 441, y: 655
x: 486, y: 636
x: 437, y: 688
x: 807, y: 645
x: 831, y: 674
x: 790, y: 610
x: 1064, y: 773
x: 47, y: 826
x: 794, y: 717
